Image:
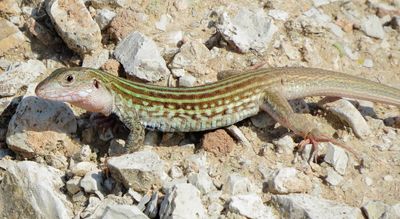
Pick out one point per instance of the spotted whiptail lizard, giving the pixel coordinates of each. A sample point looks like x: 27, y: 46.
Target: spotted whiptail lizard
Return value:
x: 211, y: 106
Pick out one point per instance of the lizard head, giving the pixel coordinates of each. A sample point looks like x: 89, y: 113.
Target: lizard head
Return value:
x: 82, y: 87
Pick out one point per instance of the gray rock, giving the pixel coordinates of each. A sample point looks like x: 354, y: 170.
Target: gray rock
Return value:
x: 285, y: 144
x: 248, y: 30
x: 183, y: 201
x: 151, y: 207
x: 187, y: 80
x: 73, y: 185
x: 371, y: 25
x: 348, y: 113
x: 333, y: 178
x: 19, y: 75
x: 288, y: 180
x: 82, y: 168
x: 92, y: 181
x: 31, y: 190
x: 135, y: 195
x: 104, y: 17
x: 41, y: 127
x: 95, y: 59
x: 237, y: 184
x: 306, y: 206
x: 337, y: 158
x: 78, y: 30
x: 143, y: 201
x: 250, y: 206
x: 140, y: 171
x: 202, y: 181
x: 193, y: 58
x: 141, y: 58
x: 375, y: 209
x: 262, y: 120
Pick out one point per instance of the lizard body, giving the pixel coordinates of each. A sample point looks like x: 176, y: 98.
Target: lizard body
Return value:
x: 210, y: 106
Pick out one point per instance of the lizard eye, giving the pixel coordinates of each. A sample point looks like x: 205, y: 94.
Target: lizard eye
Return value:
x: 69, y: 78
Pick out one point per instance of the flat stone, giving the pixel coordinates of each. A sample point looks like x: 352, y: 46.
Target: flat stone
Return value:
x: 31, y: 190
x: 19, y: 75
x: 250, y: 206
x: 337, y: 158
x: 123, y: 211
x: 307, y: 206
x: 92, y: 181
x: 10, y: 36
x: 41, y: 127
x: 75, y: 25
x: 248, y: 30
x: 140, y: 171
x: 73, y: 185
x: 348, y: 113
x: 82, y: 168
x: 333, y: 178
x: 96, y: 59
x: 288, y: 180
x: 187, y: 80
x: 202, y: 181
x: 371, y: 25
x: 141, y: 58
x: 375, y: 209
x: 182, y: 201
x: 193, y: 58
x: 237, y: 184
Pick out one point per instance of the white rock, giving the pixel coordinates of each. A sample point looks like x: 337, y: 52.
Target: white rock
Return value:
x: 248, y: 30
x: 95, y: 59
x: 140, y: 170
x: 235, y: 132
x: 122, y: 212
x: 141, y: 58
x: 78, y: 30
x: 202, y: 181
x: 72, y: 185
x: 371, y: 25
x: 178, y: 72
x: 104, y: 17
x: 175, y: 172
x: 335, y: 29
x: 92, y: 181
x: 352, y: 55
x: 237, y: 184
x: 18, y: 75
x: 318, y: 16
x: 375, y: 209
x: 183, y: 201
x: 187, y: 80
x: 306, y: 206
x: 162, y: 24
x: 333, y: 178
x: 368, y: 63
x: 49, y: 121
x: 35, y: 188
x: 336, y: 157
x: 286, y: 180
x: 348, y: 112
x: 278, y: 14
x: 285, y: 144
x: 215, y: 209
x: 250, y: 206
x: 81, y: 168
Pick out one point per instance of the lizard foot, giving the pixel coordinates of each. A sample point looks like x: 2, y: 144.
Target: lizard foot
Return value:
x: 314, y: 138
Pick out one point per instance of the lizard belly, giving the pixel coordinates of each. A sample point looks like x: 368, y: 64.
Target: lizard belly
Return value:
x: 189, y: 121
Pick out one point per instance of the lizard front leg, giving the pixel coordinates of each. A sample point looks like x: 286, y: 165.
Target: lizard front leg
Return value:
x: 136, y: 135
x: 275, y: 104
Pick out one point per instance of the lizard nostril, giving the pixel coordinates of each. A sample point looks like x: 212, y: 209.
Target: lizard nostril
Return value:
x: 96, y: 84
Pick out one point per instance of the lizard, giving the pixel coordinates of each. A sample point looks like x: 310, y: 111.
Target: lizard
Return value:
x: 143, y: 106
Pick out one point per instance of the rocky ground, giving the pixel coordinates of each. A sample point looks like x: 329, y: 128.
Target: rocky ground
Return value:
x: 57, y: 161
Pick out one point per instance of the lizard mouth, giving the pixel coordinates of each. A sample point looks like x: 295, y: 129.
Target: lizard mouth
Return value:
x: 63, y: 95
